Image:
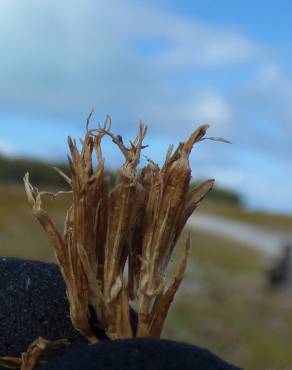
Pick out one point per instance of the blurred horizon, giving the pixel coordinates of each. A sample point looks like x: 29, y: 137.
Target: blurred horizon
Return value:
x: 174, y: 65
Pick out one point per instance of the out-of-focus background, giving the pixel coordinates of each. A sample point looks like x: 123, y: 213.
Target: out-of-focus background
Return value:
x: 175, y: 65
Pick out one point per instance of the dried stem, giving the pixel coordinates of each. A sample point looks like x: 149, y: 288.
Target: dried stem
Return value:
x: 32, y: 357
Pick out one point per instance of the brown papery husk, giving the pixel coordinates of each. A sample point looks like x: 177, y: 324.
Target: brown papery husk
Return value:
x: 137, y: 224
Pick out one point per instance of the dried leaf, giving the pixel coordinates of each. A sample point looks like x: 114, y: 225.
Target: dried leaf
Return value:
x: 62, y: 174
x: 10, y: 362
x: 194, y: 197
x: 32, y: 357
x: 216, y: 138
x: 162, y: 305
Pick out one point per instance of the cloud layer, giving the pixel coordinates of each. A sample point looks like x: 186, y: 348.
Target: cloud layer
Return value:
x: 58, y: 60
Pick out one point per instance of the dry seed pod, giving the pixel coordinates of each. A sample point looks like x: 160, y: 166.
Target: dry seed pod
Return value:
x: 137, y: 224
x: 68, y: 259
x: 167, y: 198
x: 121, y: 212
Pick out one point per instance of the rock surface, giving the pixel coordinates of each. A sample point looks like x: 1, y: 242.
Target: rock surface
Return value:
x: 139, y: 354
x: 33, y: 303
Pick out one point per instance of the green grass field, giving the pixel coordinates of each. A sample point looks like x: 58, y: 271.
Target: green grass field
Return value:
x: 20, y: 234
x: 226, y: 306
x: 224, y: 303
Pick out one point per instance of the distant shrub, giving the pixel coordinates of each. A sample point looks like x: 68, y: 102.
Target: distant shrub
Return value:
x: 220, y: 195
x: 12, y: 170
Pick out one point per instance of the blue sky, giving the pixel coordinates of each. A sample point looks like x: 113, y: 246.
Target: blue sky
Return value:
x: 173, y: 64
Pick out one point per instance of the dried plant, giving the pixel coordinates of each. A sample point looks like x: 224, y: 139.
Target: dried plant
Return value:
x: 32, y: 357
x: 133, y: 227
x: 136, y: 224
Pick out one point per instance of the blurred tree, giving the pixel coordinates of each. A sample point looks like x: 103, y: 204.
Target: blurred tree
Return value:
x: 224, y: 196
x: 42, y: 173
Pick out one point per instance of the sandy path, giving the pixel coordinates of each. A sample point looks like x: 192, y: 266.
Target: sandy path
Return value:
x: 268, y: 242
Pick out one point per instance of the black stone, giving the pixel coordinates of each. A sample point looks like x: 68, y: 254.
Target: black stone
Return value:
x: 138, y: 354
x: 33, y: 303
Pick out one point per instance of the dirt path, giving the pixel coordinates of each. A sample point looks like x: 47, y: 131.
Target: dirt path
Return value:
x: 268, y: 242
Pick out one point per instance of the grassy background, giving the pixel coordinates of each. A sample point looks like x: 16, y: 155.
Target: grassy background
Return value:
x: 226, y: 306
x: 224, y: 303
x: 275, y: 222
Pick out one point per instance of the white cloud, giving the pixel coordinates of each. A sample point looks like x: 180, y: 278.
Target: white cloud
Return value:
x: 269, y: 73
x: 7, y: 148
x: 211, y: 108
x: 200, y: 45
x: 62, y: 58
x: 134, y: 61
x: 263, y: 108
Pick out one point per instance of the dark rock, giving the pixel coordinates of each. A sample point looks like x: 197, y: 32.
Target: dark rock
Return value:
x: 138, y: 354
x: 33, y: 303
x: 280, y: 275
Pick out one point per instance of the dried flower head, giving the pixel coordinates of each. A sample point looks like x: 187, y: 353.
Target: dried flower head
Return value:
x: 133, y: 227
